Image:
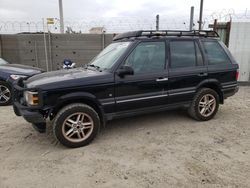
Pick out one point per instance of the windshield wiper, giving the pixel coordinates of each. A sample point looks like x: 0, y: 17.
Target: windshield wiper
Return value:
x: 95, y: 66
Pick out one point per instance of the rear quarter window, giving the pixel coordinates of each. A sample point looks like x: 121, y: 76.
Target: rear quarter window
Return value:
x: 215, y: 53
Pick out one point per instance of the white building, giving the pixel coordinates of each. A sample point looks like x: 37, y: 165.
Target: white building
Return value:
x: 239, y: 45
x: 236, y: 35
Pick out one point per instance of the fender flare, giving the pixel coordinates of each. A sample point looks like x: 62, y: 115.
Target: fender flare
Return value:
x: 214, y: 82
x: 78, y: 96
x: 209, y: 81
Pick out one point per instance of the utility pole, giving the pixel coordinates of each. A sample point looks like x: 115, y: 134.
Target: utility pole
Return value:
x: 191, y: 19
x: 157, y: 22
x: 201, y: 13
x: 61, y: 16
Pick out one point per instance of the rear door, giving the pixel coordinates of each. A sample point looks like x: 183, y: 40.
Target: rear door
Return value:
x: 146, y: 88
x: 186, y: 69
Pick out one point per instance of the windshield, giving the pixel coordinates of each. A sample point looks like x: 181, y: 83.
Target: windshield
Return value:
x: 106, y: 58
x: 3, y: 62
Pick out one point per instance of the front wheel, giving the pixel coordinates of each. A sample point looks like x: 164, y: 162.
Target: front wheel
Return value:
x: 5, y: 94
x: 204, y: 105
x: 76, y: 125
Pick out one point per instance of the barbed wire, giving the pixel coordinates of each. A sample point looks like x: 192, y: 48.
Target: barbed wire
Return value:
x: 228, y: 14
x: 112, y: 25
x: 121, y: 24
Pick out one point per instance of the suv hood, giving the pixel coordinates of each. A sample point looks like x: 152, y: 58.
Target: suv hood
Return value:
x: 20, y: 69
x: 66, y: 78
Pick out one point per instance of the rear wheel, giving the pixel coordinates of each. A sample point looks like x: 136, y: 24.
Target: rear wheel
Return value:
x: 5, y: 94
x: 76, y: 125
x: 205, y: 105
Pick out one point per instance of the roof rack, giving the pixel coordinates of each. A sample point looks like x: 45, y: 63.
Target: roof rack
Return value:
x: 152, y: 33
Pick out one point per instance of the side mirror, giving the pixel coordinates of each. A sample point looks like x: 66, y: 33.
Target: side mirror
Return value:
x: 125, y: 70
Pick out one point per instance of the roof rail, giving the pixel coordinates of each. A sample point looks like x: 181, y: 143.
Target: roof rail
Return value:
x: 151, y: 33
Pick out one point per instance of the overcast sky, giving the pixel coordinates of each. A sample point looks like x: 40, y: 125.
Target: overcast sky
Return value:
x: 171, y: 12
x: 80, y: 9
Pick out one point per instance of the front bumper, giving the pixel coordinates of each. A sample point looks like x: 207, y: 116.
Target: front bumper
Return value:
x: 33, y: 116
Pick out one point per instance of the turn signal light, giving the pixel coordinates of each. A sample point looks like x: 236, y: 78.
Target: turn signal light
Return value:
x: 31, y: 97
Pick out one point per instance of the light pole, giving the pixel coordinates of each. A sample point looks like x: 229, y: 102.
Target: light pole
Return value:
x: 61, y: 16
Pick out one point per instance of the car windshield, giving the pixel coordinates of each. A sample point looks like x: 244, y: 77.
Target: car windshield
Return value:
x: 3, y: 62
x: 106, y: 58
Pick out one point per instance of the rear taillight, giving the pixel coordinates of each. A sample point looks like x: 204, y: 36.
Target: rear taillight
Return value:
x: 237, y: 75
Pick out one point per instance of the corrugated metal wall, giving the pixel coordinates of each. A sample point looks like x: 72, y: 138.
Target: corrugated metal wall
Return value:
x: 239, y: 45
x: 28, y: 49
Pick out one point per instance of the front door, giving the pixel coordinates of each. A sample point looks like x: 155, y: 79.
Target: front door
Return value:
x: 146, y: 88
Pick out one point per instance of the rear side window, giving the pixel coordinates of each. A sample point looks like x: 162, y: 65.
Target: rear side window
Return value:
x: 215, y: 53
x: 182, y: 54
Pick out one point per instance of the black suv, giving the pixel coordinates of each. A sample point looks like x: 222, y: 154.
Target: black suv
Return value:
x: 140, y: 72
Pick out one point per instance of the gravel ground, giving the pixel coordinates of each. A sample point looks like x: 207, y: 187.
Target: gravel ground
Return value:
x: 159, y: 150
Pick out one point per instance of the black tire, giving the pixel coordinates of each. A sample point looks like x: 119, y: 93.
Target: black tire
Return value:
x: 59, y: 125
x: 194, y: 109
x: 4, y: 102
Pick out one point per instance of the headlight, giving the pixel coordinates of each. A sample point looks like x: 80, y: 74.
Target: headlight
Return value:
x: 16, y: 77
x: 31, y: 97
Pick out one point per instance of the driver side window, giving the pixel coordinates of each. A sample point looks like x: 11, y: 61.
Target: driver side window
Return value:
x: 147, y: 57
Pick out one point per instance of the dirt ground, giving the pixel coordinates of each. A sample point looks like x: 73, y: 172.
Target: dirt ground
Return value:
x: 158, y: 150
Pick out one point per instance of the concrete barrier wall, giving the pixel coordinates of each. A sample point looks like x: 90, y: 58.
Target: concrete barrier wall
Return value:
x: 29, y: 49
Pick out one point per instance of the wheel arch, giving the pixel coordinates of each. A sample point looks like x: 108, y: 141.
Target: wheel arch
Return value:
x: 79, y: 97
x: 2, y: 80
x: 212, y: 84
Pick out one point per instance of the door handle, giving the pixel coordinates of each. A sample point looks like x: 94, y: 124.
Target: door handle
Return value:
x: 202, y: 74
x: 161, y: 79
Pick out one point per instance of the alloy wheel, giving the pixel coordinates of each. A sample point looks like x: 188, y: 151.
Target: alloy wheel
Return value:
x: 207, y: 105
x: 4, y: 94
x: 77, y: 127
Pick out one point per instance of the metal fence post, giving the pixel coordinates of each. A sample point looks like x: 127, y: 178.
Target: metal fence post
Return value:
x: 103, y: 40
x: 36, y: 54
x: 201, y: 13
x: 0, y: 45
x: 50, y: 51
x: 191, y: 19
x: 45, y: 47
x: 157, y: 22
